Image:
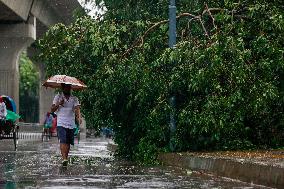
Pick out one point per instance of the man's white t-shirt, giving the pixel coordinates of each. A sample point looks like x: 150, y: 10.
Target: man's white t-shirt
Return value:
x: 66, y: 113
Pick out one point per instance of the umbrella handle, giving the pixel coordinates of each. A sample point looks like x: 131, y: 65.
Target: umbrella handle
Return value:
x: 61, y: 102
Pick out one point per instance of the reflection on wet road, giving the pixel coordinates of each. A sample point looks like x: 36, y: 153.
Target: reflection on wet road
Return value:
x: 37, y: 165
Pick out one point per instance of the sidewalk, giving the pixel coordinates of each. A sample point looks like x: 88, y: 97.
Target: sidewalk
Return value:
x: 258, y: 167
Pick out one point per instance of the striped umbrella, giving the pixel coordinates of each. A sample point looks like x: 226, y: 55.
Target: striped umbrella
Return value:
x: 10, y: 103
x: 56, y: 81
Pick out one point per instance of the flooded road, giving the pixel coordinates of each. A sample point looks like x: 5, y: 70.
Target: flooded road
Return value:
x: 38, y: 165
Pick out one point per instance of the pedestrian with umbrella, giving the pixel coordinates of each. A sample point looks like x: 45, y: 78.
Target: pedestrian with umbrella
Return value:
x: 67, y: 108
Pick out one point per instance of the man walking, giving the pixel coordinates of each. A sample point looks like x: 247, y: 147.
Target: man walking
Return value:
x: 68, y: 108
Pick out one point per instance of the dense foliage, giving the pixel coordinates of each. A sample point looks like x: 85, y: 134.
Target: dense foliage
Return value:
x: 226, y: 73
x: 29, y: 90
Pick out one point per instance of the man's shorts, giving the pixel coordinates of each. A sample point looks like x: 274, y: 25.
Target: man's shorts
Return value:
x: 65, y: 135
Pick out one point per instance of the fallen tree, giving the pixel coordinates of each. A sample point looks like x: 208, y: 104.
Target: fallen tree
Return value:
x: 227, y: 74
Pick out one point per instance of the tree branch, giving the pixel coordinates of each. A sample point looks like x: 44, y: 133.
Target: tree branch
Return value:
x: 140, y: 40
x: 202, y: 24
x: 212, y: 9
x: 213, y: 19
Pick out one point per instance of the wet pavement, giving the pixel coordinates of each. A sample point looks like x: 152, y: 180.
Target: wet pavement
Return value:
x: 36, y: 164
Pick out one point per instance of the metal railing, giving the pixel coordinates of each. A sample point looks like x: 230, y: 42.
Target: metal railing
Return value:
x: 29, y: 131
x: 30, y: 127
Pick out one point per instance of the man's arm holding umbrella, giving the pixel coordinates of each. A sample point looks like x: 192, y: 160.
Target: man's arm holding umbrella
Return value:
x: 56, y: 104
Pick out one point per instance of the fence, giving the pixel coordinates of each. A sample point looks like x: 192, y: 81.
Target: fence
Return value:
x: 29, y: 131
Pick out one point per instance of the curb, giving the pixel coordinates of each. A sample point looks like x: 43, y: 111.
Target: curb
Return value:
x: 266, y: 175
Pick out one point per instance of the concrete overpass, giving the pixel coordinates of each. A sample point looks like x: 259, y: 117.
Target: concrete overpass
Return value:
x: 21, y: 23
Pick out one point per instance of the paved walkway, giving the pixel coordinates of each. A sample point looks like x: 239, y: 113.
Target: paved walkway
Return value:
x: 38, y: 165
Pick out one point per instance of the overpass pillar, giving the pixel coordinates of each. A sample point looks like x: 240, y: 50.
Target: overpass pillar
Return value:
x: 46, y: 95
x: 14, y: 38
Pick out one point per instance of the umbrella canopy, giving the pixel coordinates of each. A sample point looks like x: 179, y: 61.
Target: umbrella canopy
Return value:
x: 10, y: 103
x: 56, y: 81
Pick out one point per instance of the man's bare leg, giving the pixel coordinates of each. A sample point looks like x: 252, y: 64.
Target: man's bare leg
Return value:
x: 64, y: 150
x: 68, y: 149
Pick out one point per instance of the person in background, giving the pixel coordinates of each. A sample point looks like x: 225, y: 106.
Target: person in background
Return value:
x: 47, y: 124
x: 67, y: 108
x: 3, y: 114
x: 54, y: 125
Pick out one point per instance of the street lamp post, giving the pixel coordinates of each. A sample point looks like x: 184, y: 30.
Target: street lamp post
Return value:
x: 172, y: 43
x: 172, y: 23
